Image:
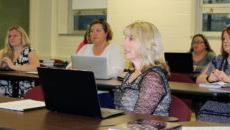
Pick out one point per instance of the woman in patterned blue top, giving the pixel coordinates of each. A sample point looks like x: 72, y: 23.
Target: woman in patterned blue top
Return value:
x: 17, y: 55
x: 145, y: 90
x: 219, y: 68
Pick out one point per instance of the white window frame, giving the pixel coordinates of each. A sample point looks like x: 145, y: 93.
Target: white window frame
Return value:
x: 208, y: 8
x: 85, y: 12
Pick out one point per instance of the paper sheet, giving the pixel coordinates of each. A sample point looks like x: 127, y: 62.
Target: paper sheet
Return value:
x: 22, y: 105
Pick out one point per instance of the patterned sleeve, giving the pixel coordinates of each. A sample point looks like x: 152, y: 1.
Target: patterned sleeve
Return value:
x: 214, y: 64
x: 151, y: 91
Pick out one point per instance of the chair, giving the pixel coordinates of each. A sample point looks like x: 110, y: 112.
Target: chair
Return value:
x: 35, y: 94
x: 179, y: 109
x: 186, y: 78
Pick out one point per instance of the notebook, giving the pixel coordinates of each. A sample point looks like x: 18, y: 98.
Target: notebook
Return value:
x: 98, y: 65
x: 22, y: 105
x: 72, y: 91
x: 179, y: 62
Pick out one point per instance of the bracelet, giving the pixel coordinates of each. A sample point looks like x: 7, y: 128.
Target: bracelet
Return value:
x: 208, y: 80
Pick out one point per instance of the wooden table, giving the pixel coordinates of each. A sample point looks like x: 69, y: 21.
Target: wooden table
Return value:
x: 16, y: 76
x: 177, y: 88
x: 193, y: 90
x: 42, y: 119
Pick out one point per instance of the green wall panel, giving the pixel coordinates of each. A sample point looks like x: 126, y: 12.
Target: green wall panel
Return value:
x: 13, y: 12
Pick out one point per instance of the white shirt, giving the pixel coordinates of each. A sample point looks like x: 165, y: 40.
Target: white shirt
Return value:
x: 112, y: 53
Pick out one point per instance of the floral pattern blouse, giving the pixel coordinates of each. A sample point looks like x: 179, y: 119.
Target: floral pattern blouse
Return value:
x: 219, y: 63
x: 24, y: 86
x: 149, y: 93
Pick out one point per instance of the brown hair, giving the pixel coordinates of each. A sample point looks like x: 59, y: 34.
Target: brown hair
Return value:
x: 206, y: 43
x: 106, y: 27
x: 223, y: 52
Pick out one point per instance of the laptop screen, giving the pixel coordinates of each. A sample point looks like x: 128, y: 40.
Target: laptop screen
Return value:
x: 179, y: 62
x: 70, y: 91
x: 96, y: 64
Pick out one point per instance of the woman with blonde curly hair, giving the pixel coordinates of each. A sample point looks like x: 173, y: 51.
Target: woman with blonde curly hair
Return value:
x: 145, y: 90
x: 17, y: 55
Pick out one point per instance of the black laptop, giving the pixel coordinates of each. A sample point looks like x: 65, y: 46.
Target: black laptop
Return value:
x: 72, y: 91
x: 179, y: 62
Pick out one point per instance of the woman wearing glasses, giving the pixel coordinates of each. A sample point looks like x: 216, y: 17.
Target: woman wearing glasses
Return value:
x: 202, y: 52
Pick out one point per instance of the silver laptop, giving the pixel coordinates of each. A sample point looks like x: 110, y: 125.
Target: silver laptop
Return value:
x: 98, y: 65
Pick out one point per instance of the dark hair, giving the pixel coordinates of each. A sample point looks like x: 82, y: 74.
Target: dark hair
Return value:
x: 105, y: 26
x: 224, y: 53
x: 206, y: 43
x: 86, y: 37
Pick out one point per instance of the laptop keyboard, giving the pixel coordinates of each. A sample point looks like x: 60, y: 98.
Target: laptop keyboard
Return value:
x: 106, y: 112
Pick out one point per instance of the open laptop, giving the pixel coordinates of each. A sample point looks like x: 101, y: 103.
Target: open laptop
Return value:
x: 96, y: 64
x: 179, y: 62
x: 72, y: 91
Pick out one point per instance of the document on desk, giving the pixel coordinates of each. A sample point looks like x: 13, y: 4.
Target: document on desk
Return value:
x: 205, y: 127
x: 214, y: 85
x: 22, y: 105
x: 32, y: 72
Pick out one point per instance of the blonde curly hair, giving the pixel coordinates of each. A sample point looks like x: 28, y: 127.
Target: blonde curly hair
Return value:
x: 8, y: 49
x: 148, y: 39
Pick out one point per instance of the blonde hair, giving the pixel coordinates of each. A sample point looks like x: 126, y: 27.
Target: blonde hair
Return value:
x: 8, y: 49
x: 148, y: 40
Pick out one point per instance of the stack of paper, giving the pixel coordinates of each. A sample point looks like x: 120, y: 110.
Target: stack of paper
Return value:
x: 22, y: 105
x: 206, y: 128
x: 214, y: 85
x: 32, y: 72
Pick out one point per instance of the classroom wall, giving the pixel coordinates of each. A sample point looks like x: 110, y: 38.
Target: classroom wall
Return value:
x: 174, y: 18
x: 9, y: 17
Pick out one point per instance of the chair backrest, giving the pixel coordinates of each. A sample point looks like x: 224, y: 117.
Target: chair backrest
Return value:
x: 179, y: 77
x: 35, y: 93
x: 179, y: 109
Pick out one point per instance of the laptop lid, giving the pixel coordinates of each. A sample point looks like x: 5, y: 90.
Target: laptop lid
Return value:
x: 98, y: 65
x: 179, y: 62
x: 70, y: 91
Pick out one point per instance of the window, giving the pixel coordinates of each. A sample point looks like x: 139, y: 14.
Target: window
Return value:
x: 213, y: 15
x: 82, y: 18
x: 83, y: 12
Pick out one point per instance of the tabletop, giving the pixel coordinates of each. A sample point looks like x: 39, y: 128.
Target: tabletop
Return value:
x: 42, y: 119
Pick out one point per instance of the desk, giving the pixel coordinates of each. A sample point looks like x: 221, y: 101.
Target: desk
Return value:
x: 177, y: 88
x: 41, y: 119
x: 16, y: 76
x: 192, y: 89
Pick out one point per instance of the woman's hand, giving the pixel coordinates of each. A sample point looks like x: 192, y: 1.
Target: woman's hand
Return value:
x: 222, y: 76
x: 213, y: 77
x: 9, y: 62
